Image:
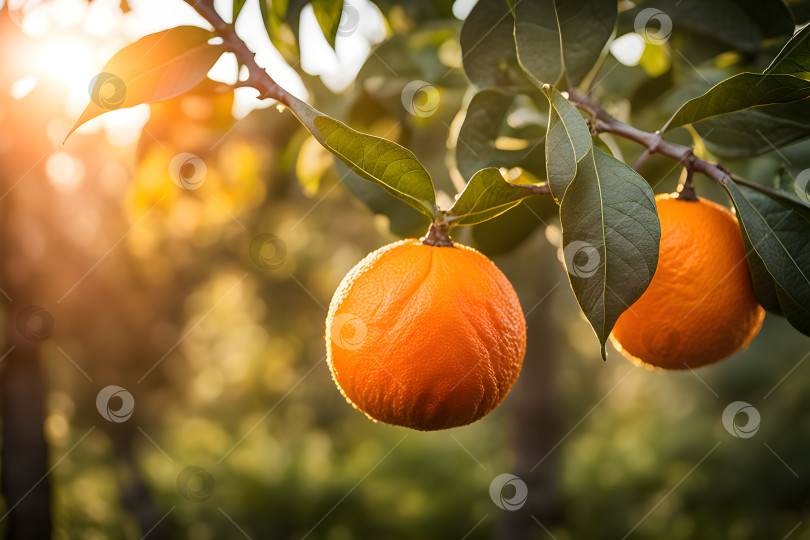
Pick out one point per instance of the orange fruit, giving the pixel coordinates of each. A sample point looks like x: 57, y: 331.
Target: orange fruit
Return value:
x: 700, y: 306
x: 425, y: 337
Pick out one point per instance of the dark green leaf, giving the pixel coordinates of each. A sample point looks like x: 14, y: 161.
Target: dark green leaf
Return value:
x: 610, y: 235
x: 538, y: 41
x: 792, y: 192
x: 794, y: 58
x: 741, y: 24
x: 488, y: 46
x: 740, y: 92
x: 377, y: 160
x: 764, y: 285
x: 757, y: 131
x: 487, y: 195
x: 567, y: 141
x: 156, y: 67
x: 475, y: 149
x: 796, y: 314
x: 328, y: 13
x: 555, y: 37
x: 779, y: 236
x: 586, y: 26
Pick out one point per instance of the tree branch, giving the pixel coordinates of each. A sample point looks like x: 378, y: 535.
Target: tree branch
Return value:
x: 259, y: 79
x: 603, y: 122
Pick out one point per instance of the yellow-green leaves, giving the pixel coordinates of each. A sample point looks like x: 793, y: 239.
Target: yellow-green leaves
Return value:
x: 610, y: 233
x: 156, y: 67
x: 328, y: 13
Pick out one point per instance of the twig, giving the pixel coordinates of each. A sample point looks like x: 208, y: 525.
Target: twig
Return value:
x: 259, y: 79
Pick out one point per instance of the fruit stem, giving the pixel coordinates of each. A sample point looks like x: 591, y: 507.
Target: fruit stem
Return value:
x: 438, y: 234
x: 686, y: 190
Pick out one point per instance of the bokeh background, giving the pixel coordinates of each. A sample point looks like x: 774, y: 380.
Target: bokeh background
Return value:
x: 207, y: 306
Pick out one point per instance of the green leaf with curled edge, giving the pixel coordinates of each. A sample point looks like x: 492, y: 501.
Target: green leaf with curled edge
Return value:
x: 568, y: 140
x: 487, y: 195
x: 611, y: 233
x: 377, y: 160
x: 328, y: 13
x: 156, y: 67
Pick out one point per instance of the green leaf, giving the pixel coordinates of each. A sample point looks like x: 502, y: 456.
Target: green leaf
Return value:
x: 739, y: 24
x: 794, y: 58
x: 738, y: 93
x: 377, y: 160
x: 796, y: 314
x: 779, y: 236
x: 237, y: 9
x: 792, y: 194
x: 756, y: 131
x: 488, y: 46
x: 538, y: 40
x: 586, y: 26
x: 156, y: 67
x: 483, y: 123
x: 281, y: 25
x: 773, y: 297
x: 486, y: 196
x: 328, y: 13
x: 764, y: 285
x: 567, y: 141
x: 562, y: 36
x: 610, y: 233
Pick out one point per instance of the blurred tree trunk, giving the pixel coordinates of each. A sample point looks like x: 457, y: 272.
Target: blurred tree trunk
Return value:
x: 24, y: 482
x: 535, y: 422
x: 135, y: 494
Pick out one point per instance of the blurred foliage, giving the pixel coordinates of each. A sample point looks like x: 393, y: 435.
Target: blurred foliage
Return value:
x: 153, y: 288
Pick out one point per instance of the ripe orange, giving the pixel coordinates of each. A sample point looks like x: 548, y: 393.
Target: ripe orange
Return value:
x: 700, y: 306
x: 425, y: 337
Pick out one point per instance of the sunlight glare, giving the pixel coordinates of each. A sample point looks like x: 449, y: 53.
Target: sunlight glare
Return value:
x: 22, y: 87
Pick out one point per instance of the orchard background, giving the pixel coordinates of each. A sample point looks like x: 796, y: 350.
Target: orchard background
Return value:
x: 166, y: 271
